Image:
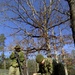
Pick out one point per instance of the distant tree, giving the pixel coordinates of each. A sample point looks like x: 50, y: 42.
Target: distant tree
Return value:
x: 31, y: 66
x: 70, y: 63
x: 2, y: 45
x: 2, y: 41
x: 7, y: 63
x: 71, y: 66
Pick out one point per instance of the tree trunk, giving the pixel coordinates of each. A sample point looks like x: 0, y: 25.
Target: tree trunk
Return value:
x: 54, y: 45
x: 63, y: 58
x: 72, y: 17
x: 62, y: 51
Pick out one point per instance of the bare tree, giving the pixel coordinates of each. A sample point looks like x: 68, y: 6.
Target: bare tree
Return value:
x: 34, y: 19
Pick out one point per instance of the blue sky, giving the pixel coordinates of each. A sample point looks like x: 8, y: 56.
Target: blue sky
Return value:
x: 7, y: 31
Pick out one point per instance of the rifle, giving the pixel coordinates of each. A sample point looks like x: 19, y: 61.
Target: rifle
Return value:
x: 18, y: 61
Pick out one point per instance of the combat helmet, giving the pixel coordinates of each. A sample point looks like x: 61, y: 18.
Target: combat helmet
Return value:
x: 39, y: 58
x: 17, y: 47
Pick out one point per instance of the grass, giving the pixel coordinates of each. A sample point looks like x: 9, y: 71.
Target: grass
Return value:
x: 3, y: 72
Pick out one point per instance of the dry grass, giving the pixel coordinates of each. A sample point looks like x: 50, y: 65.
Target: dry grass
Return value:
x: 3, y: 72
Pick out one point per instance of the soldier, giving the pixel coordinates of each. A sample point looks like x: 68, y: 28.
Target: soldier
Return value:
x: 17, y: 59
x: 45, y: 65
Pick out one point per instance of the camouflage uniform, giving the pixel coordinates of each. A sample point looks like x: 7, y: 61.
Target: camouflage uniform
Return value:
x: 14, y: 67
x: 46, y: 68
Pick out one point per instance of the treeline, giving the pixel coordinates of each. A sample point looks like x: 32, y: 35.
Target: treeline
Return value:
x: 31, y: 66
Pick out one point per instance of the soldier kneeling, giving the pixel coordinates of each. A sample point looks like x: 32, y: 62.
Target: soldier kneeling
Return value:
x: 45, y: 65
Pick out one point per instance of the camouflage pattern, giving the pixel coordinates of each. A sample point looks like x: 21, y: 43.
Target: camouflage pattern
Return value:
x: 47, y: 67
x: 14, y: 61
x: 39, y: 58
x: 14, y: 71
x: 14, y: 67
